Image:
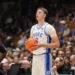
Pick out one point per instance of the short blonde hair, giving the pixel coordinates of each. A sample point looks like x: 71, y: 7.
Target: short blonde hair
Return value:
x: 44, y: 10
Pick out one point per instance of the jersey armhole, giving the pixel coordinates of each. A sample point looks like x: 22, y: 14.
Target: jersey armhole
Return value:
x: 33, y: 29
x: 45, y: 30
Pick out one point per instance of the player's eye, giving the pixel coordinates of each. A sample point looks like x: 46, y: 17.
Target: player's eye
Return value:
x: 39, y: 12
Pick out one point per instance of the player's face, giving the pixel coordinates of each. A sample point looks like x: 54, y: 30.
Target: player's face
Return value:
x: 40, y: 15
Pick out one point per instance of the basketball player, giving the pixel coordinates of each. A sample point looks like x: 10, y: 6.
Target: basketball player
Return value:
x: 47, y: 38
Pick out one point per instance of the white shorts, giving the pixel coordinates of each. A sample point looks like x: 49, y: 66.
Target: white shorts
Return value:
x: 42, y: 64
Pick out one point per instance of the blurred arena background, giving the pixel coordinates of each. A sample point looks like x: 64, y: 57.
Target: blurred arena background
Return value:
x: 16, y: 20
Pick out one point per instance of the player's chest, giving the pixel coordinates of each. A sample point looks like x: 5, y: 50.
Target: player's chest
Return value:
x: 38, y: 32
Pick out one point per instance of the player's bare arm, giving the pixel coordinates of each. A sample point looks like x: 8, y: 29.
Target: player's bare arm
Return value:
x: 55, y: 43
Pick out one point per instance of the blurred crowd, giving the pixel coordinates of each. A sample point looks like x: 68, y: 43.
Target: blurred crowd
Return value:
x: 15, y: 29
x: 16, y: 62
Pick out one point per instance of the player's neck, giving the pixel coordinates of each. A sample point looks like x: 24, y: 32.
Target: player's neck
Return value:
x: 41, y: 22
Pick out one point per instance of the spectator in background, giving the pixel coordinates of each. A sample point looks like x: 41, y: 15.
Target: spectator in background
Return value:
x: 66, y: 32
x: 14, y: 69
x: 25, y: 68
x: 72, y: 62
x: 67, y: 48
x: 16, y: 60
x: 9, y: 20
x: 9, y: 53
x: 6, y: 68
x: 54, y: 53
x: 67, y: 61
x: 56, y: 24
x: 60, y: 67
x: 61, y: 31
x: 68, y: 53
x: 8, y: 58
x: 60, y: 53
x: 15, y: 54
x: 2, y: 72
x: 2, y: 52
x: 23, y: 37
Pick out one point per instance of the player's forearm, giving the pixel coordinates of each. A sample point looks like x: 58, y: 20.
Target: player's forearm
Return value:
x: 52, y: 45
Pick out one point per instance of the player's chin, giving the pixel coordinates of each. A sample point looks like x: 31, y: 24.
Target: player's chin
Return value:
x: 37, y: 18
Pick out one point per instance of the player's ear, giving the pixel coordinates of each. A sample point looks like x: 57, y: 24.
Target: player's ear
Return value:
x: 44, y: 15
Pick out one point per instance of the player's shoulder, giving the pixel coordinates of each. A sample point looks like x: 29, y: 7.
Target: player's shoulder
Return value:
x: 48, y: 25
x: 33, y: 26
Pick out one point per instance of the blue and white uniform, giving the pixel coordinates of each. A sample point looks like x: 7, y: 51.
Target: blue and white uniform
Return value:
x: 41, y: 64
x: 74, y: 32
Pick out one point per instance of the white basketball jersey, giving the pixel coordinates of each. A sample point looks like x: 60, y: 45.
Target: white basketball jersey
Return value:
x: 40, y: 33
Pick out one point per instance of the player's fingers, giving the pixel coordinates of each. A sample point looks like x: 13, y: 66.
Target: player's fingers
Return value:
x: 34, y: 48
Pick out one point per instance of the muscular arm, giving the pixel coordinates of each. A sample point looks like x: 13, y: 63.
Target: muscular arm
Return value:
x: 54, y: 44
x: 52, y: 33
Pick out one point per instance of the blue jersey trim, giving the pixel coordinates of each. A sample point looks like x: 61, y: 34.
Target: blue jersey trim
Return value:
x: 48, y: 41
x: 47, y: 58
x: 39, y: 27
x: 45, y: 30
x: 74, y: 32
x: 47, y: 64
x: 39, y: 54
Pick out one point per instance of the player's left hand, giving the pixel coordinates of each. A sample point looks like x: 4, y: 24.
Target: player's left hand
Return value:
x: 36, y: 46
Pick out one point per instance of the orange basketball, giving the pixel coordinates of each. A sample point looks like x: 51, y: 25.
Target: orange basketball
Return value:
x: 29, y: 43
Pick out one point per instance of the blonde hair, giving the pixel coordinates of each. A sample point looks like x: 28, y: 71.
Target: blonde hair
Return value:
x: 44, y: 10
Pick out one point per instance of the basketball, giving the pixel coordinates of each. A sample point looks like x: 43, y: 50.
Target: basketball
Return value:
x: 29, y: 44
